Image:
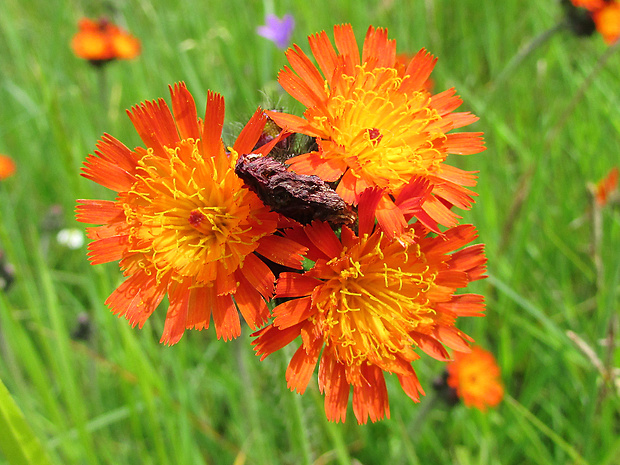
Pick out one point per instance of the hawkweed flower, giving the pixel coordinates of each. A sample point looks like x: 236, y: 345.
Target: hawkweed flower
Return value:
x: 7, y: 167
x: 279, y: 31
x: 377, y: 125
x: 602, y: 15
x: 475, y: 376
x: 606, y: 188
x: 607, y: 21
x: 367, y: 303
x: 182, y: 223
x: 101, y: 41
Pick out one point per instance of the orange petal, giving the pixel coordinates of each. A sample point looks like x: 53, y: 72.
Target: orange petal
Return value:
x: 333, y: 382
x: 308, y: 73
x: 390, y: 217
x: 445, y: 102
x: 411, y: 385
x: 322, y: 236
x: 281, y: 250
x: 292, y: 123
x: 301, y: 367
x: 431, y: 346
x: 464, y: 143
x: 199, y: 309
x: 324, y: 53
x: 472, y: 260
x: 250, y: 303
x: 297, y: 87
x: 419, y: 70
x: 184, y: 109
x: 225, y: 318
x: 107, y: 250
x: 464, y: 305
x: 155, y: 125
x: 136, y: 298
x: 213, y: 124
x: 295, y: 285
x: 370, y: 399
x: 312, y: 163
x: 439, y: 212
x: 251, y: 132
x: 292, y: 312
x: 270, y: 339
x: 347, y: 46
x: 98, y: 211
x: 378, y: 48
x: 346, y: 187
x: 107, y: 173
x: 176, y: 317
x: 456, y: 175
x: 259, y: 275
x: 452, y: 338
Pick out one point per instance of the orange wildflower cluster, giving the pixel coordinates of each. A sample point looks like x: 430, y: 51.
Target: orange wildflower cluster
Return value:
x: 475, y: 377
x: 606, y: 17
x: 366, y: 283
x: 101, y: 41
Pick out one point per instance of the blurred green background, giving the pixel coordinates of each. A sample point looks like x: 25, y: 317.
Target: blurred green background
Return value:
x: 118, y: 397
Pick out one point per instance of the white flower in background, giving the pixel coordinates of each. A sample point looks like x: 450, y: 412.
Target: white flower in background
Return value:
x: 71, y: 238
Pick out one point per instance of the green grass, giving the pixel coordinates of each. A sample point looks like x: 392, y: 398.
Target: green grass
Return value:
x: 122, y: 398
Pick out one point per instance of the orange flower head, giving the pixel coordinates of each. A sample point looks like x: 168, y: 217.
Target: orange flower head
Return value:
x: 607, y: 21
x: 182, y: 223
x: 606, y: 187
x: 101, y: 41
x: 367, y: 303
x: 476, y: 378
x: 376, y: 125
x: 7, y: 167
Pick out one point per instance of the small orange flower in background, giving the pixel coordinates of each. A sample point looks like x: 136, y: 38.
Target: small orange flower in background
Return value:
x: 606, y: 17
x: 376, y: 125
x: 183, y: 224
x: 607, y: 21
x: 476, y: 378
x: 7, y: 167
x: 101, y: 41
x: 606, y: 187
x: 367, y: 303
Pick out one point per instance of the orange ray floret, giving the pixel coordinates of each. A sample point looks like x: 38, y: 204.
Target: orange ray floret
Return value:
x: 182, y: 223
x: 367, y: 303
x: 377, y: 125
x: 476, y: 378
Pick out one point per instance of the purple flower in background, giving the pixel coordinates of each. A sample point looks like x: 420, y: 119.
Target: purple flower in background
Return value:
x: 277, y: 30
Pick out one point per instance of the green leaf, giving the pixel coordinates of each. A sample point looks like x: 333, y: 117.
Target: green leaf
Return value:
x: 18, y: 442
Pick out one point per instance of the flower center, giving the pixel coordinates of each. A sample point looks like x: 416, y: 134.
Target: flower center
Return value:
x: 361, y: 104
x: 190, y: 214
x: 375, y: 298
